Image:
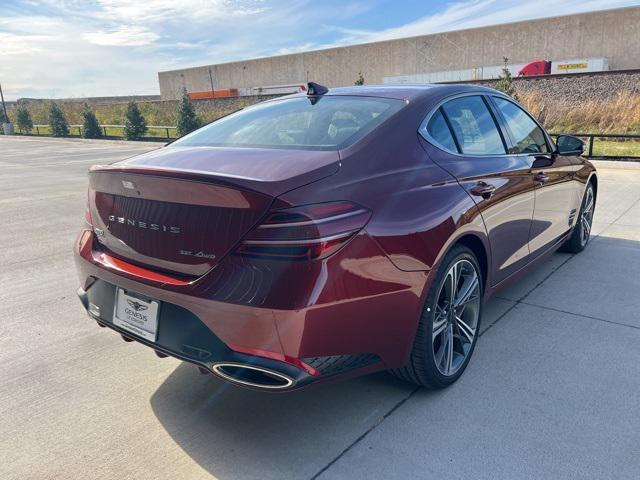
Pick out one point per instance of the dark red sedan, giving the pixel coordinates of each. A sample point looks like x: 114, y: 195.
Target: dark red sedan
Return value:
x: 331, y: 234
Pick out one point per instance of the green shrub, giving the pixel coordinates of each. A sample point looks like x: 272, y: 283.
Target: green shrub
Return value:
x: 23, y: 119
x: 505, y: 82
x: 90, y: 126
x: 188, y: 121
x: 135, y: 126
x: 360, y: 80
x: 57, y: 121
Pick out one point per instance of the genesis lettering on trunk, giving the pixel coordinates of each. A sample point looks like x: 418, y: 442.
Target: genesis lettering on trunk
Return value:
x: 144, y: 224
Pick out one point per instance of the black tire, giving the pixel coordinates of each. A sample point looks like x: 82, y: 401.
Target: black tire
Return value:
x: 421, y: 368
x: 580, y: 235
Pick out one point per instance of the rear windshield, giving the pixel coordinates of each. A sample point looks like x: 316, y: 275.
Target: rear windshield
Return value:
x: 323, y: 123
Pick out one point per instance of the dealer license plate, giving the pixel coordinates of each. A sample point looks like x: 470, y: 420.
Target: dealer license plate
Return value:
x: 136, y: 315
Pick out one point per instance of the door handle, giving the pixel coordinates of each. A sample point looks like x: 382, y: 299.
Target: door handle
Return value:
x: 483, y: 190
x: 541, y: 178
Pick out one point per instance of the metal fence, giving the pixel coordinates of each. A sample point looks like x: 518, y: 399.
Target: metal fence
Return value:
x: 154, y: 132
x: 609, y: 145
x: 599, y: 145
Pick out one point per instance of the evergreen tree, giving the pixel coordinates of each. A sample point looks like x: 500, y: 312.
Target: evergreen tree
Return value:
x: 90, y: 126
x: 505, y: 82
x: 57, y: 121
x: 360, y: 81
x: 23, y: 119
x: 135, y: 126
x: 188, y: 121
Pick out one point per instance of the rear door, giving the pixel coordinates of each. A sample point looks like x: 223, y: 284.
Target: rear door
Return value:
x: 555, y: 201
x: 474, y: 150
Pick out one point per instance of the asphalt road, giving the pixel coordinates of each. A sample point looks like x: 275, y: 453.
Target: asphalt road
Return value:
x: 553, y: 390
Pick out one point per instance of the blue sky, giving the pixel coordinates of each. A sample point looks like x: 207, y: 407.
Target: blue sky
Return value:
x: 75, y: 48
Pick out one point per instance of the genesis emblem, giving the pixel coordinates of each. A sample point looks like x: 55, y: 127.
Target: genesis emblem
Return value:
x: 137, y: 306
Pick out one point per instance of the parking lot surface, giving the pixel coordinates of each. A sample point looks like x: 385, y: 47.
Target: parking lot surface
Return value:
x: 553, y: 390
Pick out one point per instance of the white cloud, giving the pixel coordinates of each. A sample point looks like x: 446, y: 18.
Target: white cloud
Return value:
x: 479, y: 13
x: 55, y: 62
x: 124, y: 36
x: 15, y: 45
x: 153, y: 11
x: 63, y: 48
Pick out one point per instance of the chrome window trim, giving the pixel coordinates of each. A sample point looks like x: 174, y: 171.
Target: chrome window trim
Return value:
x: 547, y: 139
x: 422, y: 129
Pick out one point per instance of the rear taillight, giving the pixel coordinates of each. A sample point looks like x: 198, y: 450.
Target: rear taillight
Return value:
x: 308, y: 232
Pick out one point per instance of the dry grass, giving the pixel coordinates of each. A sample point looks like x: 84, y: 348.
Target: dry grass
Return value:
x: 620, y: 115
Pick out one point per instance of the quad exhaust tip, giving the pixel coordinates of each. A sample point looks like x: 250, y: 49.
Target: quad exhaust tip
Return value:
x: 252, y: 376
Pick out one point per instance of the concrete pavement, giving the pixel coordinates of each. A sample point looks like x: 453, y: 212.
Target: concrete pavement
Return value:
x: 553, y: 390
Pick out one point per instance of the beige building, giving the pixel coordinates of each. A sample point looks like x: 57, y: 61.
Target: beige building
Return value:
x: 610, y: 34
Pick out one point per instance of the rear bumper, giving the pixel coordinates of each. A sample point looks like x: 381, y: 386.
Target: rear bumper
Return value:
x: 351, y: 314
x: 185, y: 337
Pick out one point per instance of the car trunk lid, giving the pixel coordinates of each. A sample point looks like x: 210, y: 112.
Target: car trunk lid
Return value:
x: 182, y: 210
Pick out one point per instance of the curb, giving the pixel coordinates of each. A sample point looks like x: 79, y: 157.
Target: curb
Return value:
x: 616, y: 165
x: 35, y: 138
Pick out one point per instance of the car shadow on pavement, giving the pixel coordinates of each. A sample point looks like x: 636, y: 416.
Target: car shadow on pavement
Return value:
x: 233, y: 432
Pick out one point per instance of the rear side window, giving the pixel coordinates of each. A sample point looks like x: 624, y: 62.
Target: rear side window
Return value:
x: 438, y: 130
x: 324, y: 123
x: 527, y: 135
x: 474, y: 126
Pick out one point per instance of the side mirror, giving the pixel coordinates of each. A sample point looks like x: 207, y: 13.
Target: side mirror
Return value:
x: 569, y: 145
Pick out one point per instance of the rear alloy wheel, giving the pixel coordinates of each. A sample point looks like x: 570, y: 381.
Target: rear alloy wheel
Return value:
x: 449, y: 324
x: 455, y: 323
x: 582, y: 230
x: 586, y: 217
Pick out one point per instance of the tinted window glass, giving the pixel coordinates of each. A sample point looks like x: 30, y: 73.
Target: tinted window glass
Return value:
x: 325, y: 123
x: 473, y: 126
x: 438, y: 130
x: 527, y: 135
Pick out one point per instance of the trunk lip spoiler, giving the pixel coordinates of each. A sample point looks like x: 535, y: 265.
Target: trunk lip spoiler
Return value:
x: 160, y: 169
x: 273, y: 188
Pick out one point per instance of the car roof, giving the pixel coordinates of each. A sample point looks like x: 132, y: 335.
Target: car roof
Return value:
x: 406, y: 91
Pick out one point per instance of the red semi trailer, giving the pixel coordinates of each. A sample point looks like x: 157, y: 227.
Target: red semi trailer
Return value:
x: 555, y: 67
x: 536, y: 67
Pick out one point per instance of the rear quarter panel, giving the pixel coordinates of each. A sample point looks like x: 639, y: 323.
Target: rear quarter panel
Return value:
x: 418, y: 208
x: 419, y: 212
